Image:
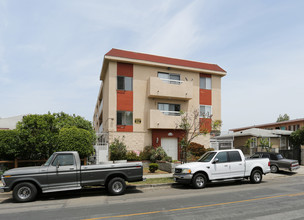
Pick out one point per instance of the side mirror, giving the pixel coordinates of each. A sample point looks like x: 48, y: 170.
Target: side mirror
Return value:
x: 215, y: 160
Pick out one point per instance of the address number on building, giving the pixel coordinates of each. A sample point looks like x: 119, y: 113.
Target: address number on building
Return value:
x: 137, y: 120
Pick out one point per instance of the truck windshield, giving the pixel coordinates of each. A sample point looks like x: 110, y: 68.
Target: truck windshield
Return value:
x: 207, y: 157
x: 49, y: 160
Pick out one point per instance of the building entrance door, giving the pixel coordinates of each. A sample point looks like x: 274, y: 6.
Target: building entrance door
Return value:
x: 170, y: 146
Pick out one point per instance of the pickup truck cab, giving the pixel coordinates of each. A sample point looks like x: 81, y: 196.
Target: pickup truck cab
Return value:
x: 219, y: 166
x: 63, y: 171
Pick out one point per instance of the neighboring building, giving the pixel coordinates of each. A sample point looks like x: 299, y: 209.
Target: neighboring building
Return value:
x: 10, y: 123
x: 141, y: 97
x: 278, y: 140
x: 290, y: 125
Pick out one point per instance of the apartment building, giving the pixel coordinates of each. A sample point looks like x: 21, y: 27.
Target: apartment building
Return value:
x: 141, y: 97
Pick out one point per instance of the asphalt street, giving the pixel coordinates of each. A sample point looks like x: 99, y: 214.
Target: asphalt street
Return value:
x: 279, y: 196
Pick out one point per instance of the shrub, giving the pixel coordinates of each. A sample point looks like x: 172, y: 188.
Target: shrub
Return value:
x: 9, y: 142
x: 158, y: 154
x: 168, y: 159
x: 147, y: 152
x: 132, y: 156
x: 196, y: 149
x: 118, y: 150
x: 153, y: 167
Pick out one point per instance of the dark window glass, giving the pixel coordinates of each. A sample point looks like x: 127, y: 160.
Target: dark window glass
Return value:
x: 234, y: 156
x: 222, y: 157
x: 64, y: 160
x: 273, y: 157
x: 266, y: 156
x: 124, y: 83
x: 255, y: 156
x: 124, y: 118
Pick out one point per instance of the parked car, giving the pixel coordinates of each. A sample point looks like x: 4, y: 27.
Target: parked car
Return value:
x: 63, y: 171
x: 219, y: 166
x: 277, y: 161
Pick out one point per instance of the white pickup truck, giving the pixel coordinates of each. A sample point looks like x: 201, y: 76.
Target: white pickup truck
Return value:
x: 220, y: 166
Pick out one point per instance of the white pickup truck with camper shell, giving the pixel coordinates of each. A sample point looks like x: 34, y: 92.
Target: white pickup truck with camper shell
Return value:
x: 221, y: 165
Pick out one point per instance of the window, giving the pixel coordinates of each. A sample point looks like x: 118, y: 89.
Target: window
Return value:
x: 205, y: 83
x: 169, y: 109
x: 234, y: 156
x: 222, y: 157
x: 205, y: 111
x: 64, y: 160
x: 169, y: 77
x: 124, y: 118
x: 124, y: 83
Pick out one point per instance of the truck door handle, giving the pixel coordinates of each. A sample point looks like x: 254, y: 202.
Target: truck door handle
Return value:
x: 71, y: 168
x: 225, y: 165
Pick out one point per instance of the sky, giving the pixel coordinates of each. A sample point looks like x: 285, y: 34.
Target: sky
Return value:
x: 51, y: 51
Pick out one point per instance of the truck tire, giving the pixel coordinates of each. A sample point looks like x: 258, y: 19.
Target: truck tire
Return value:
x: 199, y: 181
x: 256, y: 176
x: 24, y: 192
x: 117, y: 186
x: 274, y: 169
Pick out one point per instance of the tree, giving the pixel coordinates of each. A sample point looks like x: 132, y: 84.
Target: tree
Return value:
x: 297, y: 138
x: 39, y: 135
x: 264, y: 144
x: 75, y: 139
x: 284, y: 117
x: 9, y: 141
x: 193, y: 126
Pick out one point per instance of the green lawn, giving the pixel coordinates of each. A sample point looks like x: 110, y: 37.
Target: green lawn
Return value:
x: 154, y: 181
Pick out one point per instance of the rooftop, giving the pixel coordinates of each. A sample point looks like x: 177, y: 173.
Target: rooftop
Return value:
x: 123, y: 55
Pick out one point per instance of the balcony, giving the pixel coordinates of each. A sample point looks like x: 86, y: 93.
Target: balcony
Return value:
x: 163, y: 119
x: 169, y: 89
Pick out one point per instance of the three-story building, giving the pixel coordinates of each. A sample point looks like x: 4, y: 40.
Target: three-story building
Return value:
x: 141, y: 97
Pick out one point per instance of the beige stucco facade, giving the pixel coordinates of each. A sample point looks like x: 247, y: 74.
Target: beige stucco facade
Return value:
x: 147, y: 92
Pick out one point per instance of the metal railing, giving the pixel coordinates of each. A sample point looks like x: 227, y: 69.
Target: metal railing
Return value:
x: 172, y: 113
x: 172, y: 81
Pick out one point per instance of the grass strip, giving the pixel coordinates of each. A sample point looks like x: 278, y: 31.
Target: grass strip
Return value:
x: 154, y: 181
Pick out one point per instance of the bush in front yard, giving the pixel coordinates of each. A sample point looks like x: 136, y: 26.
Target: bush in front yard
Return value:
x: 132, y: 156
x: 118, y: 150
x: 153, y: 167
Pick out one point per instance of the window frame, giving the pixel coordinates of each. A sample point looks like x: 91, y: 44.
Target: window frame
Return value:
x: 126, y: 80
x: 124, y: 121
x: 169, y: 112
x: 207, y: 83
x: 169, y: 79
x: 204, y: 115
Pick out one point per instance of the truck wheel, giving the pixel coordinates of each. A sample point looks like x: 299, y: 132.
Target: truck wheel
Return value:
x: 256, y: 176
x: 24, y: 192
x: 117, y: 186
x: 199, y: 181
x: 274, y: 169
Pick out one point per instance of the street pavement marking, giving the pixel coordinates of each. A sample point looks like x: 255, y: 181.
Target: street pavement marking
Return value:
x: 197, y: 207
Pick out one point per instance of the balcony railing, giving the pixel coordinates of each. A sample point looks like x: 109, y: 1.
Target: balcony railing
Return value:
x: 172, y: 113
x: 170, y: 89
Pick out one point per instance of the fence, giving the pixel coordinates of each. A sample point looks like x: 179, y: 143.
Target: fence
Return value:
x: 15, y: 163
